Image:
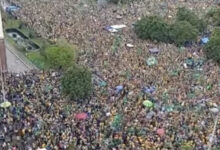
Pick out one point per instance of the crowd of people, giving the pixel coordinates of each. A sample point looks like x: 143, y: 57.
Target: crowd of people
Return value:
x: 183, y: 86
x: 41, y: 118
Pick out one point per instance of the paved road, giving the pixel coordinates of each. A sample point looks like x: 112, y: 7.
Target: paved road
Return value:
x: 16, y: 62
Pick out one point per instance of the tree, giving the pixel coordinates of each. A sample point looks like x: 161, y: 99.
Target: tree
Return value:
x: 153, y: 28
x: 214, y: 16
x: 77, y: 83
x: 212, y: 49
x: 182, y: 32
x: 61, y: 55
x: 184, y: 14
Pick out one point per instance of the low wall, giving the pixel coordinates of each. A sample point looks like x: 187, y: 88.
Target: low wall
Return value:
x: 2, y: 48
x: 3, y: 56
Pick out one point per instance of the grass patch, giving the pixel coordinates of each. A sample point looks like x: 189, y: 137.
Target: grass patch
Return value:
x: 13, y: 43
x: 37, y: 59
x: 13, y: 23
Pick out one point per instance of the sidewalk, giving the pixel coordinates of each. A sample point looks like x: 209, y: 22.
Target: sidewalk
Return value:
x: 16, y: 61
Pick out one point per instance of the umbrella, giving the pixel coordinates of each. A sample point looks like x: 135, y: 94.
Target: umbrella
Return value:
x: 120, y: 26
x: 81, y: 116
x: 103, y: 84
x: 5, y: 104
x: 148, y: 103
x: 205, y: 40
x: 151, y: 61
x: 214, y: 110
x: 14, y: 148
x: 41, y: 149
x: 160, y: 132
x: 119, y: 88
x: 154, y: 50
x: 115, y: 28
x: 129, y: 45
x: 110, y: 29
x: 149, y: 90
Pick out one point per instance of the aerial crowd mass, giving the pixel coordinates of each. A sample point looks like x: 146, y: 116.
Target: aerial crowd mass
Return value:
x: 168, y: 102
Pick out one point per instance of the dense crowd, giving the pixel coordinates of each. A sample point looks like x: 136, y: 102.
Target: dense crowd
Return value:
x: 41, y: 118
x: 183, y: 86
x: 83, y: 24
